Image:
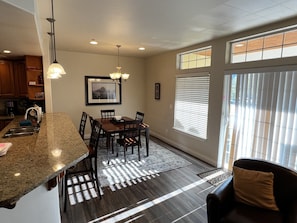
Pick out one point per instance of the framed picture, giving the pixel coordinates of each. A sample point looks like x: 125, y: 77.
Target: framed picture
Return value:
x: 157, y: 91
x: 102, y: 91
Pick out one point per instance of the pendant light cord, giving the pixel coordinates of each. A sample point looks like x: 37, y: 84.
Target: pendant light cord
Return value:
x: 118, y: 46
x: 53, y: 33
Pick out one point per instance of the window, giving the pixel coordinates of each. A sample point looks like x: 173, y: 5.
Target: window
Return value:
x: 264, y: 47
x: 260, y: 117
x: 191, y: 104
x: 195, y: 59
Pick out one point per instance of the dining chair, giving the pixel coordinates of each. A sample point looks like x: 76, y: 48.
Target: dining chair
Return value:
x: 82, y: 124
x: 107, y: 113
x: 91, y: 119
x: 130, y: 137
x: 139, y: 116
x: 87, y: 166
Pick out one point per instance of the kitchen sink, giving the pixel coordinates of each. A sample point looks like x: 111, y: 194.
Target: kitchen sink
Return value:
x: 21, y: 131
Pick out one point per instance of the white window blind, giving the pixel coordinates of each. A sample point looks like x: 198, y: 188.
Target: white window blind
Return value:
x: 260, y: 117
x: 191, y: 105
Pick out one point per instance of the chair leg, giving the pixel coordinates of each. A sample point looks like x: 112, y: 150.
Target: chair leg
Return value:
x: 140, y: 140
x: 65, y: 191
x: 96, y: 178
x: 125, y: 148
x: 138, y: 152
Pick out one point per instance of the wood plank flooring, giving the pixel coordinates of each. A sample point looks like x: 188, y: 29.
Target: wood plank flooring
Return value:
x: 173, y: 196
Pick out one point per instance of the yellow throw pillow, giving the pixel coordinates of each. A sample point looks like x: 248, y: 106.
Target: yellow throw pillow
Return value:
x: 254, y: 188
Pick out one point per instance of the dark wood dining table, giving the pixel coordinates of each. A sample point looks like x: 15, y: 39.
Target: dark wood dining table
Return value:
x: 111, y: 127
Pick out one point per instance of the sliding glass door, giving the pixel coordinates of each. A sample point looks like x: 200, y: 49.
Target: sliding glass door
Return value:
x: 259, y: 117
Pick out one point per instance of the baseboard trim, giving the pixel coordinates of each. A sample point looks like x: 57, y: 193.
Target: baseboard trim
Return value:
x: 184, y: 148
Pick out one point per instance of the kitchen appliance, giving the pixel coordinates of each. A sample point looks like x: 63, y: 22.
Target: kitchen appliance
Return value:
x: 34, y: 114
x: 10, y: 108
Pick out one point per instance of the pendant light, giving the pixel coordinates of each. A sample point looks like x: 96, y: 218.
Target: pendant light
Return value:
x: 55, y: 70
x: 117, y: 75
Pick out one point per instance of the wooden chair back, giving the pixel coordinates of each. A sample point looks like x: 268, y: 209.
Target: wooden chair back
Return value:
x: 82, y: 124
x: 107, y: 113
x: 139, y: 116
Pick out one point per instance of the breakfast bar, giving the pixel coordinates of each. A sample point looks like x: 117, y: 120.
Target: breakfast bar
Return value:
x: 35, y: 159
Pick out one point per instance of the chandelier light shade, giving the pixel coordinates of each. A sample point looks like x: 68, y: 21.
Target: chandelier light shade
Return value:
x: 55, y: 70
x: 118, y: 74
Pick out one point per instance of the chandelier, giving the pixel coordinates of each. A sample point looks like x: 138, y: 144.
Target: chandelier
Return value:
x: 118, y: 74
x: 55, y: 70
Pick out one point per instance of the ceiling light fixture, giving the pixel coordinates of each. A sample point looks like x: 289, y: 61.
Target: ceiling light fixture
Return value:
x: 6, y: 51
x: 93, y: 42
x: 117, y: 75
x: 55, y: 70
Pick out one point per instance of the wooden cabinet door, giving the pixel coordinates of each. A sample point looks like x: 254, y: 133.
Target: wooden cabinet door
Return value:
x: 20, y: 77
x: 33, y: 62
x: 6, y: 79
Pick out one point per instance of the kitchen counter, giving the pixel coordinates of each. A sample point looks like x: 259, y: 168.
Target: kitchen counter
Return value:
x: 5, y: 117
x: 34, y: 160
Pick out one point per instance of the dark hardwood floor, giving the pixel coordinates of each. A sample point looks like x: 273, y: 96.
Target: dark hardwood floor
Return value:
x: 173, y: 196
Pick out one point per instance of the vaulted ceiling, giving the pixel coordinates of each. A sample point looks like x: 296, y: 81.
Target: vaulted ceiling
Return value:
x: 157, y: 25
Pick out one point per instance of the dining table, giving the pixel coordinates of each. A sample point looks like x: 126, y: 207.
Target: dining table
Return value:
x: 111, y: 126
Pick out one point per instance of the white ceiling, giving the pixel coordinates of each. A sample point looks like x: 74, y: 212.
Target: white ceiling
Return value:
x: 157, y: 25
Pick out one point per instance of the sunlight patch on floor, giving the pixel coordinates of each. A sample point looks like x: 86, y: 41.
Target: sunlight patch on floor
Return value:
x: 143, y: 205
x: 122, y: 174
x: 80, y: 190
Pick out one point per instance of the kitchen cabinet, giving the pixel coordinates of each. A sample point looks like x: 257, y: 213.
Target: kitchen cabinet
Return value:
x: 20, y: 77
x: 7, y: 88
x: 34, y: 74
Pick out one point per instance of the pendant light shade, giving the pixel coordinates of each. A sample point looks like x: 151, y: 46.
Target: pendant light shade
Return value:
x: 55, y: 70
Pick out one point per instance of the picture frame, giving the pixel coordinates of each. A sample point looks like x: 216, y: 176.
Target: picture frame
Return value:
x: 157, y: 91
x: 102, y: 90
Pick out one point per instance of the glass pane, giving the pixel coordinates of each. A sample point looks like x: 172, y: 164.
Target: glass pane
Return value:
x: 239, y: 47
x: 200, y: 54
x: 290, y: 50
x: 255, y: 44
x: 272, y: 53
x: 192, y: 56
x: 252, y: 56
x: 208, y: 52
x: 192, y: 64
x: 290, y: 37
x: 201, y: 63
x: 184, y: 65
x: 273, y: 40
x: 184, y: 58
x: 207, y: 62
x: 237, y: 58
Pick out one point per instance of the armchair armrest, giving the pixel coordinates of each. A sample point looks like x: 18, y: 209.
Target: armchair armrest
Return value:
x: 291, y: 213
x: 220, y: 201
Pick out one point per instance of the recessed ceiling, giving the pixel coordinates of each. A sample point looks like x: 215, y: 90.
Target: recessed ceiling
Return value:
x: 157, y: 25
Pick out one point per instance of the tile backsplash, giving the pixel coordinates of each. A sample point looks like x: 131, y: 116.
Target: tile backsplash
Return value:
x: 19, y: 106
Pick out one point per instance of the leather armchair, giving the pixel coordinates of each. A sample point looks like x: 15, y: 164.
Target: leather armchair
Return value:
x: 223, y: 208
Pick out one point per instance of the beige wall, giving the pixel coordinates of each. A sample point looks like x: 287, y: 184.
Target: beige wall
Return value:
x: 68, y: 92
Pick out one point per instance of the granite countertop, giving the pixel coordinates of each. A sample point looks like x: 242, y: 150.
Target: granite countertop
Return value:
x: 34, y: 160
x: 6, y: 117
